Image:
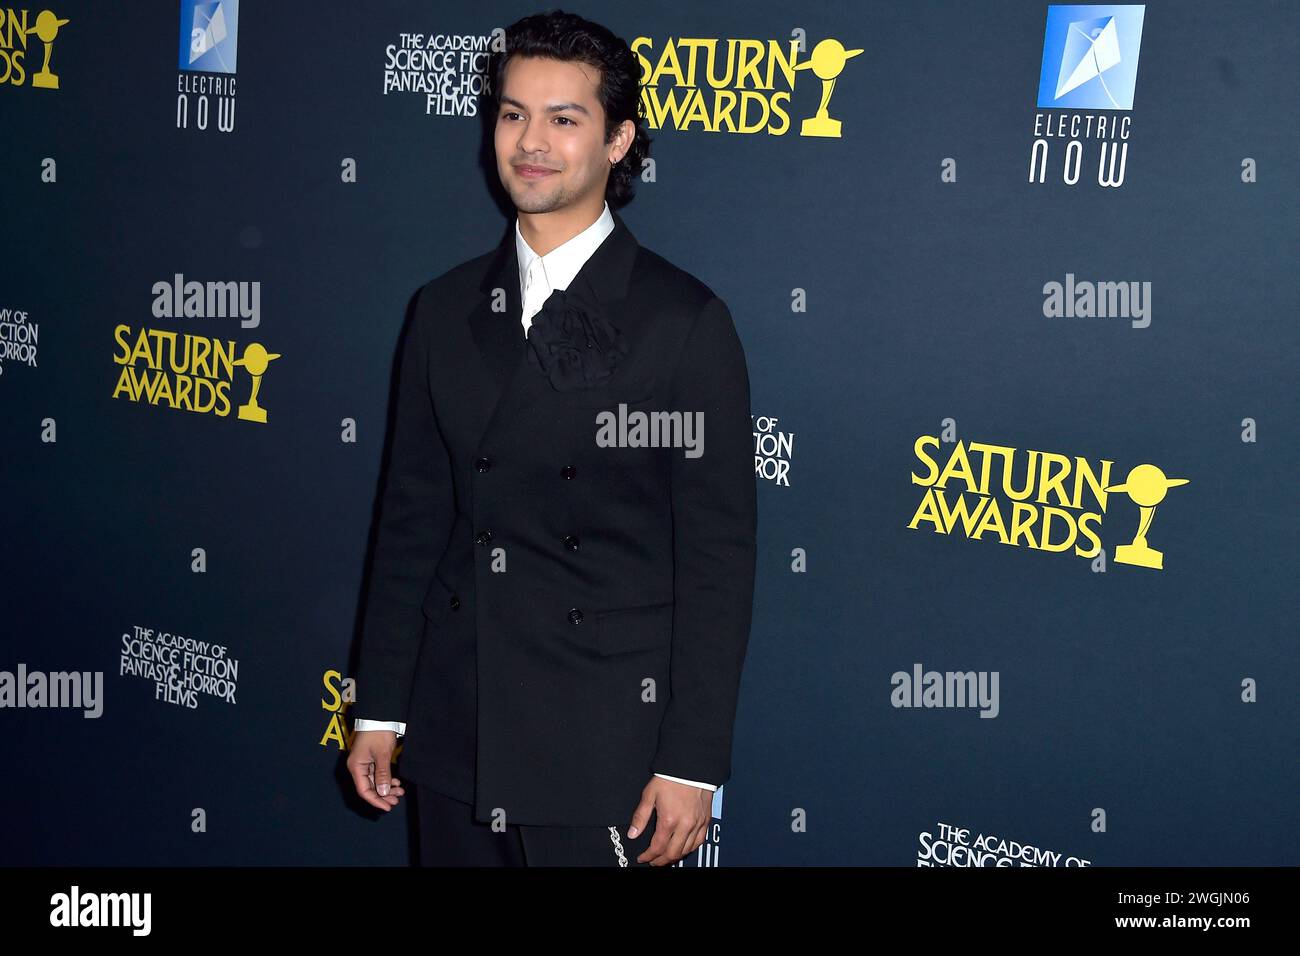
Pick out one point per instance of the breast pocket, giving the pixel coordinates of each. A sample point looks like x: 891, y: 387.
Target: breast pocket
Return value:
x: 642, y: 627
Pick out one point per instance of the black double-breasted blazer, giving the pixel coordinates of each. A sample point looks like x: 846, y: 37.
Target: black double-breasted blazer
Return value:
x: 556, y: 621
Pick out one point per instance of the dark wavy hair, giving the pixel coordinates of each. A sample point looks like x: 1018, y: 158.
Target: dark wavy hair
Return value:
x: 558, y: 35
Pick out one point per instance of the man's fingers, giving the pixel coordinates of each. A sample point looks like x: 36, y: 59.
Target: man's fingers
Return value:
x: 382, y: 774
x: 640, y: 817
x: 683, y: 842
x: 654, y: 853
x: 361, y: 779
x: 370, y: 767
x: 677, y: 846
x: 672, y: 842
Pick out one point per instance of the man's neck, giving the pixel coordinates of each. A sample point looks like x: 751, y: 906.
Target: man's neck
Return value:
x: 550, y: 230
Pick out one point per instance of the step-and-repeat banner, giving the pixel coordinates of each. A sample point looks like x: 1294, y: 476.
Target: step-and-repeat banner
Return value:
x: 1017, y: 287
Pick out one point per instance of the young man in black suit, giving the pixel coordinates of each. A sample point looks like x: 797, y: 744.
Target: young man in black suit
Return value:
x: 560, y: 600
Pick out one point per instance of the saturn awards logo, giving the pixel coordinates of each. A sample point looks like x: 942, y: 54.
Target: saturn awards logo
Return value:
x: 737, y: 85
x: 195, y: 373
x: 17, y: 28
x: 1035, y: 499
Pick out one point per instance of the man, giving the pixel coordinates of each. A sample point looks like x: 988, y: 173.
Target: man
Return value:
x: 558, y: 610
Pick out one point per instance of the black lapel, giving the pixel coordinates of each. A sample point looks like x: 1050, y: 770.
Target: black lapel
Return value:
x: 500, y: 335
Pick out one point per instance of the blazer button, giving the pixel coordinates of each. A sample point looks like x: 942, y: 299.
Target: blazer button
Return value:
x: 482, y: 464
x: 483, y: 537
x: 455, y: 603
x: 571, y: 542
x: 575, y: 616
x: 568, y: 471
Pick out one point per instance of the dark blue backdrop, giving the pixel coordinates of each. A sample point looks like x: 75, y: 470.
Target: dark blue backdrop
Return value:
x: 1122, y: 736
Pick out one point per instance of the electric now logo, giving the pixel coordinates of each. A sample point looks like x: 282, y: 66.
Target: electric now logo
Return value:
x: 102, y: 909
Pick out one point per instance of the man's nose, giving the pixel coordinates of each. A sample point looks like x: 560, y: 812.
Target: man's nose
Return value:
x: 532, y: 140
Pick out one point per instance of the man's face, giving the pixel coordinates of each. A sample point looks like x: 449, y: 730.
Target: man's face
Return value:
x: 550, y: 134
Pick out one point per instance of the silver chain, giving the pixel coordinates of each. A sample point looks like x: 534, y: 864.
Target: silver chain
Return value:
x: 618, y: 846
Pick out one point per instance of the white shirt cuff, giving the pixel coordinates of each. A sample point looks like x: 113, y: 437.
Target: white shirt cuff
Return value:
x: 394, y: 725
x: 693, y: 783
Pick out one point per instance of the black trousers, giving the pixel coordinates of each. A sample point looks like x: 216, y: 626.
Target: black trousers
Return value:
x: 450, y: 836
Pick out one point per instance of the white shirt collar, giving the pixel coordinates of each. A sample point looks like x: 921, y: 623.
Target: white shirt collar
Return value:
x: 563, y: 262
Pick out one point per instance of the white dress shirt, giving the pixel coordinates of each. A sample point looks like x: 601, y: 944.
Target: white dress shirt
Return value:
x: 538, y: 277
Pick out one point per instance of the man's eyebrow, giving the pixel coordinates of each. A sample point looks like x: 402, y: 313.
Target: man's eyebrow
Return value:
x: 552, y: 108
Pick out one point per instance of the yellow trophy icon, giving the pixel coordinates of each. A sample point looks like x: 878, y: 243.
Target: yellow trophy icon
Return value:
x: 46, y: 29
x: 1147, y: 486
x: 255, y: 359
x: 827, y: 61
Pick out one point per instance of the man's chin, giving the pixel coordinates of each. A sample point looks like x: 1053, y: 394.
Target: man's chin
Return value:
x: 533, y: 203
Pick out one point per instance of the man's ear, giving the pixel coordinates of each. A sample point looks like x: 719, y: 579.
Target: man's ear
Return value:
x: 626, y: 129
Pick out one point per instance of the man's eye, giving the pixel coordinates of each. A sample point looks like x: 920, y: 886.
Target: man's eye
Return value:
x: 567, y: 120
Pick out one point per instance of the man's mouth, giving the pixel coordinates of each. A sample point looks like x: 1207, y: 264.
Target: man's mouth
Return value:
x: 533, y: 172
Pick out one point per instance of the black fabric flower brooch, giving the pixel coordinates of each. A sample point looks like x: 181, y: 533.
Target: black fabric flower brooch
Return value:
x: 572, y: 341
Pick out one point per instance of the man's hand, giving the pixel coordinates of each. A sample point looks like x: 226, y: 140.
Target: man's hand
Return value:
x: 682, y: 820
x: 369, y: 763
